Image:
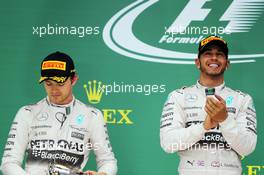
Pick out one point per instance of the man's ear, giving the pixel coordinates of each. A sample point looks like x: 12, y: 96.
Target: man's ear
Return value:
x: 227, y: 64
x: 197, y: 63
x: 74, y: 79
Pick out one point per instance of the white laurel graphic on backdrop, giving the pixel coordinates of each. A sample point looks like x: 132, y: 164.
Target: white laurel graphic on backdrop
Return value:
x: 118, y: 34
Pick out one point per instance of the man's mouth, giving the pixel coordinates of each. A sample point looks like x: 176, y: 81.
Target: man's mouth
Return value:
x: 213, y: 65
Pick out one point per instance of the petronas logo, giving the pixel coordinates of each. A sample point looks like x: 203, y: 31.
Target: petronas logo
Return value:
x: 94, y: 91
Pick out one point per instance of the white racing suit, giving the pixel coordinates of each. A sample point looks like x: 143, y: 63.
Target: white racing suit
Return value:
x: 216, y: 151
x: 62, y: 134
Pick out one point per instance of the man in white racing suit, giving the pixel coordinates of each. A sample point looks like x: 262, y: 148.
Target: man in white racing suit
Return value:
x: 208, y: 124
x: 59, y: 129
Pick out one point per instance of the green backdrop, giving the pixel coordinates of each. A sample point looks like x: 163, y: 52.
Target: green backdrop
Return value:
x: 136, y: 143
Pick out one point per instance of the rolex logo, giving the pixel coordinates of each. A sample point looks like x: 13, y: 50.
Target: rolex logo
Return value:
x: 94, y: 91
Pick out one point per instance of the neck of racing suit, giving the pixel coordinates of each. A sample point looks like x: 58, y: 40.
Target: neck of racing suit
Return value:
x: 202, y: 88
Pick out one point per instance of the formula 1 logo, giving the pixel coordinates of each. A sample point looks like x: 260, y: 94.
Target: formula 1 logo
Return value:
x: 188, y: 28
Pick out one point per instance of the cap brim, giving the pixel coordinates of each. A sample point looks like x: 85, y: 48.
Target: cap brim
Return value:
x: 55, y: 78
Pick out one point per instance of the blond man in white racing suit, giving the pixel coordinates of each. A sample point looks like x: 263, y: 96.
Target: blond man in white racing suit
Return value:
x: 59, y: 129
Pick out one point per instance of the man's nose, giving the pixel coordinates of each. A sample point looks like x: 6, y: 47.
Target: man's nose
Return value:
x: 214, y: 56
x: 54, y: 89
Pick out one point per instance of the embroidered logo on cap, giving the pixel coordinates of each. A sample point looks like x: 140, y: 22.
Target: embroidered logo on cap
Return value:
x: 59, y: 65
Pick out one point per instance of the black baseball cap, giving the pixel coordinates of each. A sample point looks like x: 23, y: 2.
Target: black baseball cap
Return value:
x: 57, y: 66
x: 213, y: 40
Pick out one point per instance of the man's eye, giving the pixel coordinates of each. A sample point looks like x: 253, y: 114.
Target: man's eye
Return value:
x: 220, y: 54
x: 207, y: 53
x: 61, y: 84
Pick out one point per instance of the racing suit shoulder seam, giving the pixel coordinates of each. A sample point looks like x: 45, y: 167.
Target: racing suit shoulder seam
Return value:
x: 88, y: 108
x: 238, y: 92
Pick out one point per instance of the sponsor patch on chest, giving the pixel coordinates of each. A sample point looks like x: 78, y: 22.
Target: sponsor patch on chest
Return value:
x: 77, y: 135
